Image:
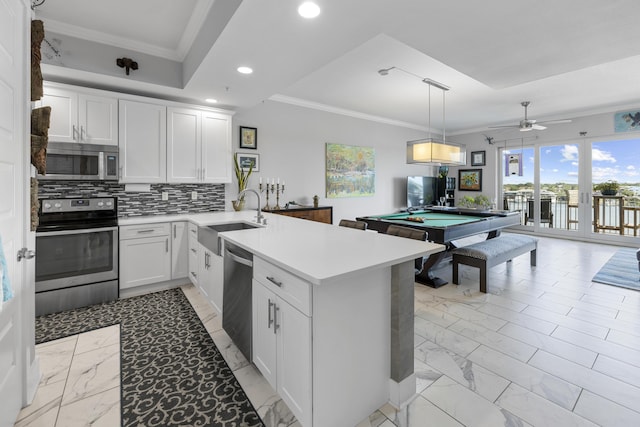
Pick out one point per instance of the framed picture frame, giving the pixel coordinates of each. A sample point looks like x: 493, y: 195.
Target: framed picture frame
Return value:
x: 470, y: 179
x: 248, y: 137
x: 478, y: 158
x: 245, y: 160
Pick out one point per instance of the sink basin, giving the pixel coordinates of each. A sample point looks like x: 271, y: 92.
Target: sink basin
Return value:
x: 209, y: 238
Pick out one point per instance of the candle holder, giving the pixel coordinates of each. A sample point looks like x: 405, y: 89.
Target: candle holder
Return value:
x: 279, y: 190
x: 266, y: 189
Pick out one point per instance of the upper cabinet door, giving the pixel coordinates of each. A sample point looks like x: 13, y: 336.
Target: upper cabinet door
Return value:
x: 142, y: 142
x: 184, y: 136
x: 216, y: 147
x: 98, y: 119
x: 63, y: 126
x: 77, y: 117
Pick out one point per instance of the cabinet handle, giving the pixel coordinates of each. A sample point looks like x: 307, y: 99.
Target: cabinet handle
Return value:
x: 193, y: 250
x: 204, y: 173
x: 166, y: 245
x: 195, y: 276
x: 275, y: 318
x: 75, y: 132
x: 82, y: 133
x: 174, y: 231
x: 120, y: 172
x: 271, y: 304
x: 193, y: 230
x: 274, y: 281
x: 150, y: 230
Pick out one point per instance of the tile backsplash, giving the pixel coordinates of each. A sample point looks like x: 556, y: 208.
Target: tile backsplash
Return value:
x: 210, y: 197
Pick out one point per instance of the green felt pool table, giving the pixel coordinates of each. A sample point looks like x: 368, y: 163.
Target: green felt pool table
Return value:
x: 444, y: 225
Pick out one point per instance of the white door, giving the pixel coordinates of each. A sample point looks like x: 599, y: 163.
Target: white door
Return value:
x: 142, y: 140
x: 179, y: 250
x: 183, y: 145
x: 63, y: 126
x: 216, y: 147
x: 98, y: 119
x: 263, y: 332
x: 16, y: 339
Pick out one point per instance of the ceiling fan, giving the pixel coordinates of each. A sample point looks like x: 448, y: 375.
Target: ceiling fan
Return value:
x: 527, y: 124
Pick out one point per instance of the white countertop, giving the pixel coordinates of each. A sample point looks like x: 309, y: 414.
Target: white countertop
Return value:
x: 317, y: 252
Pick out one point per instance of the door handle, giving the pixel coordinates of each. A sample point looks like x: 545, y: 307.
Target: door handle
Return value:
x: 270, y: 317
x: 25, y: 253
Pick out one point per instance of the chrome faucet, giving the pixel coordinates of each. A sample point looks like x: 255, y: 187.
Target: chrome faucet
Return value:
x: 259, y: 218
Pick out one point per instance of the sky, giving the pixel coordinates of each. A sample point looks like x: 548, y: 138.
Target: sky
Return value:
x: 611, y: 160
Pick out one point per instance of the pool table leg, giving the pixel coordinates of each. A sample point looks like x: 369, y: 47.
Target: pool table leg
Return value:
x: 426, y: 276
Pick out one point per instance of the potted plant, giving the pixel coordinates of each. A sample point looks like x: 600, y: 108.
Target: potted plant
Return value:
x: 242, y: 177
x: 607, y: 188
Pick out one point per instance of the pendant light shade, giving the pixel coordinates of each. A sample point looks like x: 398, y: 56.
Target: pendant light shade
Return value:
x: 430, y: 151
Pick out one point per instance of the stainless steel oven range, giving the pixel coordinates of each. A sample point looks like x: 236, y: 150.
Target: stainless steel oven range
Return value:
x: 77, y: 247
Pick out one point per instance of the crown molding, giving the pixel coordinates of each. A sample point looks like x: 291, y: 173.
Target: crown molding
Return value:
x: 198, y: 17
x: 343, y: 112
x: 109, y: 39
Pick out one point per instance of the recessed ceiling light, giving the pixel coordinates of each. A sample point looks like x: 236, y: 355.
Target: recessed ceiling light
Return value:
x: 245, y: 70
x: 211, y: 100
x: 309, y: 10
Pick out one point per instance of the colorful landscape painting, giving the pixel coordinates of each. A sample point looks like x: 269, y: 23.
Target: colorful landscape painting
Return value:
x: 351, y: 171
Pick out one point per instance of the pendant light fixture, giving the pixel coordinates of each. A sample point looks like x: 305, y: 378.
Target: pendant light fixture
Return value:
x: 431, y: 151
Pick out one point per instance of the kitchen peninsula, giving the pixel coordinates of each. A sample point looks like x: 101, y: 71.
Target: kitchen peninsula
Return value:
x: 332, y: 313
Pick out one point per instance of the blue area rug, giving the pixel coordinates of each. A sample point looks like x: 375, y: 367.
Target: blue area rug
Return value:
x: 621, y: 270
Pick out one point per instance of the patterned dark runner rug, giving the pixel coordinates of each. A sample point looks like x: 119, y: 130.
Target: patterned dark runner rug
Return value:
x: 172, y: 374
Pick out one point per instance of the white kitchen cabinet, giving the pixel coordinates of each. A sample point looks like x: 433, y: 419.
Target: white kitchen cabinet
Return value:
x: 142, y: 142
x: 282, y: 336
x: 194, y: 254
x: 80, y: 117
x: 145, y: 254
x: 198, y: 146
x: 210, y: 277
x: 179, y: 250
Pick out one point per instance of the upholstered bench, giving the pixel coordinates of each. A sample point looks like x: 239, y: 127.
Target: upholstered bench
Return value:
x: 491, y: 252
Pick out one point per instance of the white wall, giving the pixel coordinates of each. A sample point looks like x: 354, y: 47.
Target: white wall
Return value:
x: 291, y: 145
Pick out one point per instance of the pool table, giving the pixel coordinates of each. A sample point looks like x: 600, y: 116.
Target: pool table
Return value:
x: 444, y: 225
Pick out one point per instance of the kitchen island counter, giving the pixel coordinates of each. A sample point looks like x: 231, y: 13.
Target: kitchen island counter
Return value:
x: 319, y: 253
x: 326, y: 299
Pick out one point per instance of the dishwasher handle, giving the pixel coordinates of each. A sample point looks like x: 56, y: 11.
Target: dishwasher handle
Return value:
x: 237, y: 258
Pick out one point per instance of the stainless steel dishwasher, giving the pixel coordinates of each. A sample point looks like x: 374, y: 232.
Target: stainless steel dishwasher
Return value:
x: 236, y: 297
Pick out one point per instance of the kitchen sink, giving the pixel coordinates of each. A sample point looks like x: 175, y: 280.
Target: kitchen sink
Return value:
x: 208, y: 235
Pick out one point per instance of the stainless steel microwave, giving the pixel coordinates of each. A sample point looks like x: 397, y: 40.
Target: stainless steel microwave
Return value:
x: 86, y: 162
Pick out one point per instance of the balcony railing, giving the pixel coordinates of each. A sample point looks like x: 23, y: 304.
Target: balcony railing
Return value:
x: 559, y: 212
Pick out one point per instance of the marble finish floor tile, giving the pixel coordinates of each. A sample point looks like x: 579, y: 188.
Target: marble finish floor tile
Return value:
x: 538, y: 411
x: 545, y: 347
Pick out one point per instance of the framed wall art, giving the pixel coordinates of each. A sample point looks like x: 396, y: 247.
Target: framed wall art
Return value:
x: 248, y: 137
x: 247, y: 160
x: 470, y: 179
x: 478, y: 158
x: 350, y: 171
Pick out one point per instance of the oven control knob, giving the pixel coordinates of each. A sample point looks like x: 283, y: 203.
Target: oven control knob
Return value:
x: 57, y: 205
x: 47, y: 206
x: 100, y: 204
x: 109, y: 204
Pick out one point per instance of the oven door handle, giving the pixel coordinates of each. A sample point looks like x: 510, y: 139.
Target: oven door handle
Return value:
x: 78, y: 231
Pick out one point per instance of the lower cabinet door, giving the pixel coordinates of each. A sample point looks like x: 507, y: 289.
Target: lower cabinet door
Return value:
x: 216, y: 275
x: 294, y: 360
x: 144, y: 261
x: 263, y: 332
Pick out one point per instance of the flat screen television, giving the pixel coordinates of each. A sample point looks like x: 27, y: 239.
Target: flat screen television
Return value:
x: 421, y: 191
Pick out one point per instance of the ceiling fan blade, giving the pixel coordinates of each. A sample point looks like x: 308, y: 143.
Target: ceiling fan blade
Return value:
x: 509, y: 126
x: 538, y: 127
x: 556, y: 122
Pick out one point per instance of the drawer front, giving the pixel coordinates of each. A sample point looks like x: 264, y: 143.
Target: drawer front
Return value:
x: 290, y: 288
x: 144, y: 230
